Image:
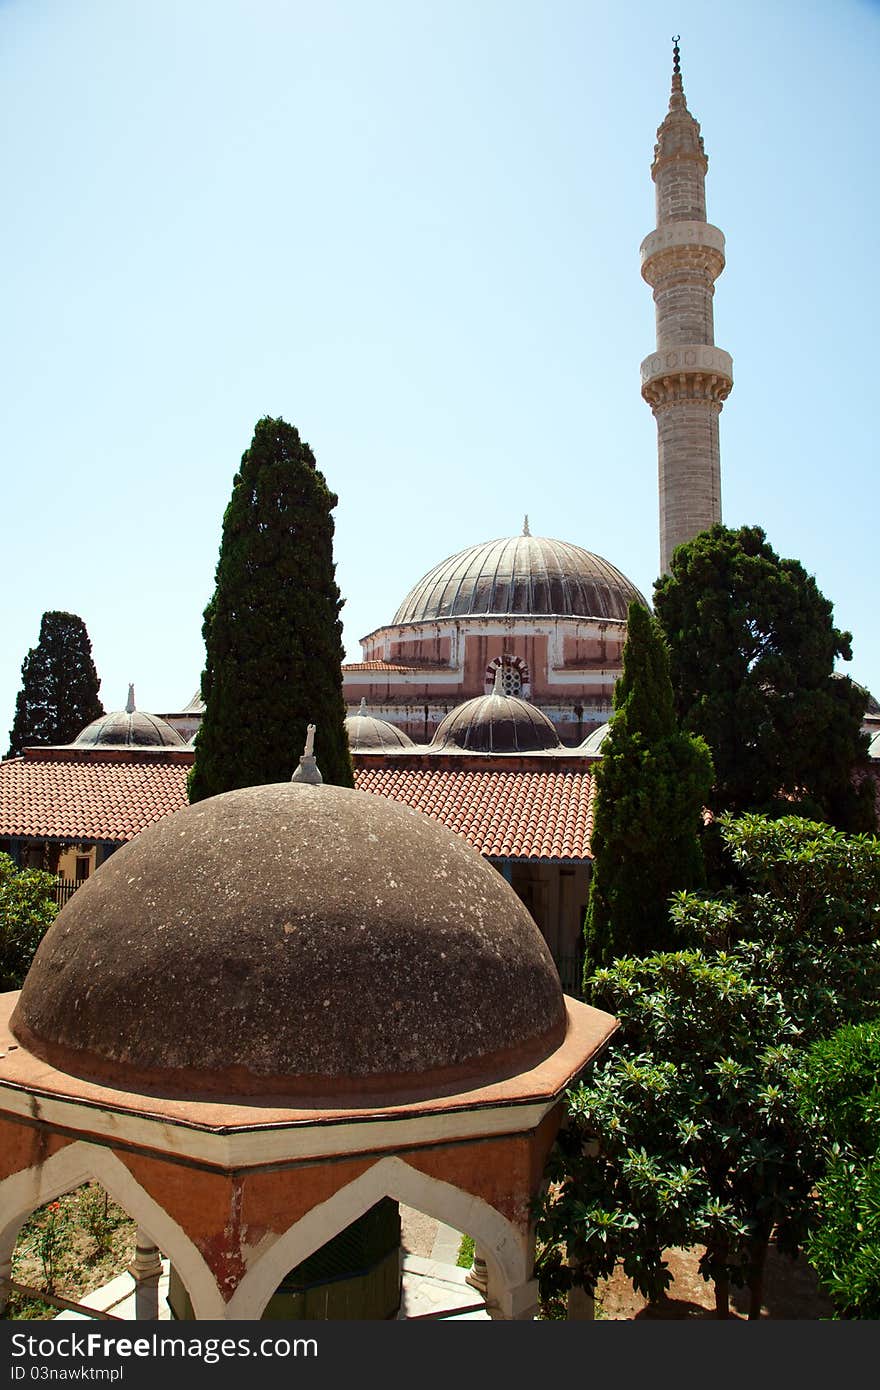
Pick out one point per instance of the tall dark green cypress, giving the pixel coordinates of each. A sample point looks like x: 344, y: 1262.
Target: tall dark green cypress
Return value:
x: 652, y: 784
x: 273, y: 636
x: 59, y: 686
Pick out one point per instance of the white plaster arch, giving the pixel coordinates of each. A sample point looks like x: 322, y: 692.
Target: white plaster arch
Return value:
x: 504, y: 1248
x: 80, y: 1163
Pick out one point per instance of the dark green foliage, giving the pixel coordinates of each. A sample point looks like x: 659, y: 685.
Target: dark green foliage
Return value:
x: 27, y: 909
x: 807, y: 921
x: 688, y: 1135
x: 652, y: 782
x: 840, y: 1093
x: 694, y: 1132
x: 752, y: 645
x: 273, y: 637
x: 59, y: 690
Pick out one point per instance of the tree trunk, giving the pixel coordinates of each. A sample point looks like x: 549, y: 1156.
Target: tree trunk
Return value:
x: 721, y: 1280
x: 757, y: 1263
x: 722, y: 1296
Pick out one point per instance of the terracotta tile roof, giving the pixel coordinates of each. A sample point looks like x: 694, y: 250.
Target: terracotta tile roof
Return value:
x: 376, y: 666
x: 83, y: 801
x: 505, y: 815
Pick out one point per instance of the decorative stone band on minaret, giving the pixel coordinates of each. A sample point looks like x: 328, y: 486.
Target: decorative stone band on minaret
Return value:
x: 687, y: 379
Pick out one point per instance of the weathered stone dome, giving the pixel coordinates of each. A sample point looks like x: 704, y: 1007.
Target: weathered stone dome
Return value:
x: 129, y: 729
x: 496, y: 723
x: 367, y: 734
x: 297, y: 940
x: 521, y: 575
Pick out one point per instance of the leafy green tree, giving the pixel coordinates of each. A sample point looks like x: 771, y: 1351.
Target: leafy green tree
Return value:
x: 27, y: 909
x: 752, y: 645
x: 806, y: 922
x: 59, y: 690
x: 840, y: 1094
x: 652, y: 784
x: 273, y: 636
x: 693, y: 1133
x: 688, y: 1135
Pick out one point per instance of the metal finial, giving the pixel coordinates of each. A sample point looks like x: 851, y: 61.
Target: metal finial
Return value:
x: 362, y: 711
x: 129, y: 704
x: 526, y: 531
x: 676, y: 54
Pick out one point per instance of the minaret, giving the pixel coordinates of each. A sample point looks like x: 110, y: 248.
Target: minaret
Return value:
x: 688, y: 378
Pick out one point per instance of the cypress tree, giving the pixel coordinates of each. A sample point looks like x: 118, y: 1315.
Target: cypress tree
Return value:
x: 59, y: 689
x: 273, y: 636
x: 652, y: 784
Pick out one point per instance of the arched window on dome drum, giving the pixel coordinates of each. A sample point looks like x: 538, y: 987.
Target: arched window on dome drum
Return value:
x: 515, y: 679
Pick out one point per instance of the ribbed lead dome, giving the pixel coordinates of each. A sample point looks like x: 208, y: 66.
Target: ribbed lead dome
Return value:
x: 521, y: 574
x: 495, y: 723
x: 128, y: 729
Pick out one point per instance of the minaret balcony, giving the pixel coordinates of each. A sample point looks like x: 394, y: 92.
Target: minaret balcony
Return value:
x: 701, y: 371
x: 678, y: 244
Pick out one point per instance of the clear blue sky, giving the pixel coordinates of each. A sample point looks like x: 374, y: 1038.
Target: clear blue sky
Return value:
x: 412, y: 229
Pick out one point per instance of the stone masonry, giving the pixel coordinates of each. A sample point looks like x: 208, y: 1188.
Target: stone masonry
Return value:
x: 687, y: 379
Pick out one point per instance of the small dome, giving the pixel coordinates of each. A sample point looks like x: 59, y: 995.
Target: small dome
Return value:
x: 128, y: 728
x: 496, y: 723
x: 293, y: 940
x: 366, y: 734
x: 592, y: 744
x: 521, y: 574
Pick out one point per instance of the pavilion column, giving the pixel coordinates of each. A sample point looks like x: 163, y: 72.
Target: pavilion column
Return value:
x: 145, y: 1269
x: 478, y: 1275
x: 5, y: 1281
x: 508, y: 1301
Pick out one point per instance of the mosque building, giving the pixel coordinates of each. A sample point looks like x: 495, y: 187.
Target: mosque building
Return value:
x: 378, y: 1018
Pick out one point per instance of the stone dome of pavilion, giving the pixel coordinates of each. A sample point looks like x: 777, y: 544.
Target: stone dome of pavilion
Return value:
x: 528, y: 575
x: 128, y: 728
x: 366, y: 734
x: 296, y: 940
x: 495, y: 723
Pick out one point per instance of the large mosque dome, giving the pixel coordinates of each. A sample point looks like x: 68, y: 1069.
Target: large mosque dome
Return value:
x: 528, y: 575
x: 296, y: 940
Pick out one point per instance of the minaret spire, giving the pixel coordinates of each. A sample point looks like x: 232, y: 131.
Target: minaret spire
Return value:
x: 687, y: 379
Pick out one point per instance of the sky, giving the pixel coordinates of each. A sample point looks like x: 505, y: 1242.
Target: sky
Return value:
x: 412, y: 229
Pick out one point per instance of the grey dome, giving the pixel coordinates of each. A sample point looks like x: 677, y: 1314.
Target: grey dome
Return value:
x: 495, y: 723
x: 128, y: 729
x: 367, y: 734
x: 521, y: 574
x: 592, y: 744
x: 293, y: 940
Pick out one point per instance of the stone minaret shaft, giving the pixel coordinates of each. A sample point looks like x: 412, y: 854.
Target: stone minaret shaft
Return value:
x: 688, y: 378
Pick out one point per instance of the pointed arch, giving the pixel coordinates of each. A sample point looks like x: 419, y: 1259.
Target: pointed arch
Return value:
x: 503, y: 1246
x: 81, y: 1162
